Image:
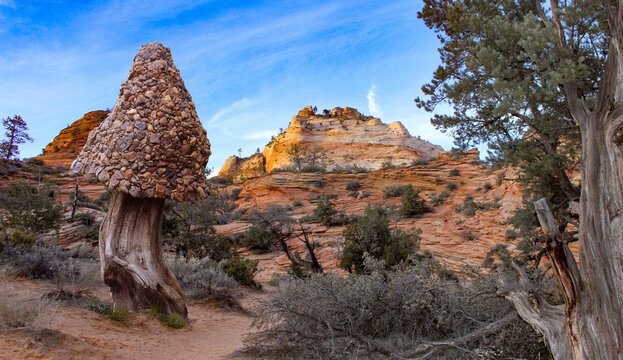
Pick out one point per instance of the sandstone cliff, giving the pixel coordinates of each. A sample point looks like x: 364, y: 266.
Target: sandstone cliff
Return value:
x: 348, y: 138
x: 68, y: 144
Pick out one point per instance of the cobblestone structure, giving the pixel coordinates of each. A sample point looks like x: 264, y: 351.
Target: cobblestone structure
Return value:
x: 152, y: 144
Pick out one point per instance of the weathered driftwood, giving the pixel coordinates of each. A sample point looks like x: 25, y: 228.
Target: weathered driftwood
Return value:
x: 131, y: 256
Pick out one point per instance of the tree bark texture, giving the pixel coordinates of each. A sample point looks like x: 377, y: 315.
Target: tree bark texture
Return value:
x: 592, y: 316
x: 131, y: 256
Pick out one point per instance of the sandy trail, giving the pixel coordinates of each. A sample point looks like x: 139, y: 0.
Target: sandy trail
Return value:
x: 214, y: 333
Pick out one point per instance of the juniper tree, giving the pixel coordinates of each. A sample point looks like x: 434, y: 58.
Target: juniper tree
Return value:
x: 535, y: 81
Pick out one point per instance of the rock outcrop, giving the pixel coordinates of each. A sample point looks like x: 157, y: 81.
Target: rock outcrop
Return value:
x: 68, y: 144
x: 348, y: 139
x: 240, y: 169
x: 453, y: 237
x: 152, y: 144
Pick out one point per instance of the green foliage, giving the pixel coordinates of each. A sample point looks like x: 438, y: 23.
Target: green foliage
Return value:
x: 353, y: 186
x: 306, y: 158
x: 117, y: 313
x: 394, y: 190
x: 258, y: 240
x: 469, y: 206
x: 507, y: 74
x: 325, y: 211
x: 29, y: 208
x: 297, y: 203
x: 439, y: 199
x: 412, y: 204
x: 242, y: 270
x: 370, y: 234
x: 175, y: 321
x: 15, y: 133
x: 317, y: 196
x: 454, y: 172
x: 420, y: 162
x: 452, y: 186
x: 188, y: 226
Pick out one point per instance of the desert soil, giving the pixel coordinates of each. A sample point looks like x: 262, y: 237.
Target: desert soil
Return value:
x: 74, y: 333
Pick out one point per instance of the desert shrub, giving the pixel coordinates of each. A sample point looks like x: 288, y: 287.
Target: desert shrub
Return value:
x: 394, y: 190
x: 268, y: 228
x: 469, y: 234
x: 388, y: 315
x: 175, y: 321
x: 16, y: 237
x: 353, y: 186
x: 364, y: 195
x: 221, y: 180
x: 469, y: 206
x: 242, y: 270
x: 258, y: 240
x: 29, y: 314
x: 203, y: 281
x: 188, y: 227
x: 37, y: 261
x: 103, y: 200
x: 233, y: 195
x: 319, y: 183
x: 511, y: 234
x: 371, y: 234
x: 318, y: 196
x: 297, y: 203
x: 26, y: 207
x: 33, y: 162
x: 387, y: 164
x: 487, y: 186
x: 452, y: 186
x: 82, y: 201
x: 116, y: 313
x: 454, y: 172
x: 75, y: 287
x: 349, y: 169
x: 313, y: 169
x: 325, y: 210
x: 420, y: 162
x: 412, y: 204
x: 438, y: 199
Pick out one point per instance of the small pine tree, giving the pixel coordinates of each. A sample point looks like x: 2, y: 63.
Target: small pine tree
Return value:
x: 412, y: 204
x: 325, y: 211
x: 15, y: 134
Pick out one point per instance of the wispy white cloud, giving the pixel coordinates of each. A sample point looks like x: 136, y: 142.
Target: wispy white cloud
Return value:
x: 237, y: 106
x: 259, y: 135
x: 373, y: 106
x: 9, y: 3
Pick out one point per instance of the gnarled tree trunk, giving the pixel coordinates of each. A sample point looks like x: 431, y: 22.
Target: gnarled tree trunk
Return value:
x: 592, y: 316
x: 131, y: 256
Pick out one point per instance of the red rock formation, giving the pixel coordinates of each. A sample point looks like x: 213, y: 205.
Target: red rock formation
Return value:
x: 68, y: 144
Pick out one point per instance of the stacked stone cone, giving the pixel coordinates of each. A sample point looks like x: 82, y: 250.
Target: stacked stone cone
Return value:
x: 152, y: 144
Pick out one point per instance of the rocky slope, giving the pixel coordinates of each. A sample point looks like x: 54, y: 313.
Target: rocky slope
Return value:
x: 453, y: 237
x: 68, y: 144
x: 348, y: 138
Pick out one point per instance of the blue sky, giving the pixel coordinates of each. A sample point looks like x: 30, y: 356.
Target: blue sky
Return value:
x: 249, y: 65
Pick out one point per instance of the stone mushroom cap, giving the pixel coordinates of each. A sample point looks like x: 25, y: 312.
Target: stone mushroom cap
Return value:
x: 152, y: 144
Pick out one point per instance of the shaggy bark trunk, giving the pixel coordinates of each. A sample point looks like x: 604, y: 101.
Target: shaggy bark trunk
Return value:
x: 131, y: 256
x: 592, y: 317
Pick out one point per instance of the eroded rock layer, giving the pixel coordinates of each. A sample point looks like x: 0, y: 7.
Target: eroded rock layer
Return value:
x: 152, y: 144
x: 347, y: 139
